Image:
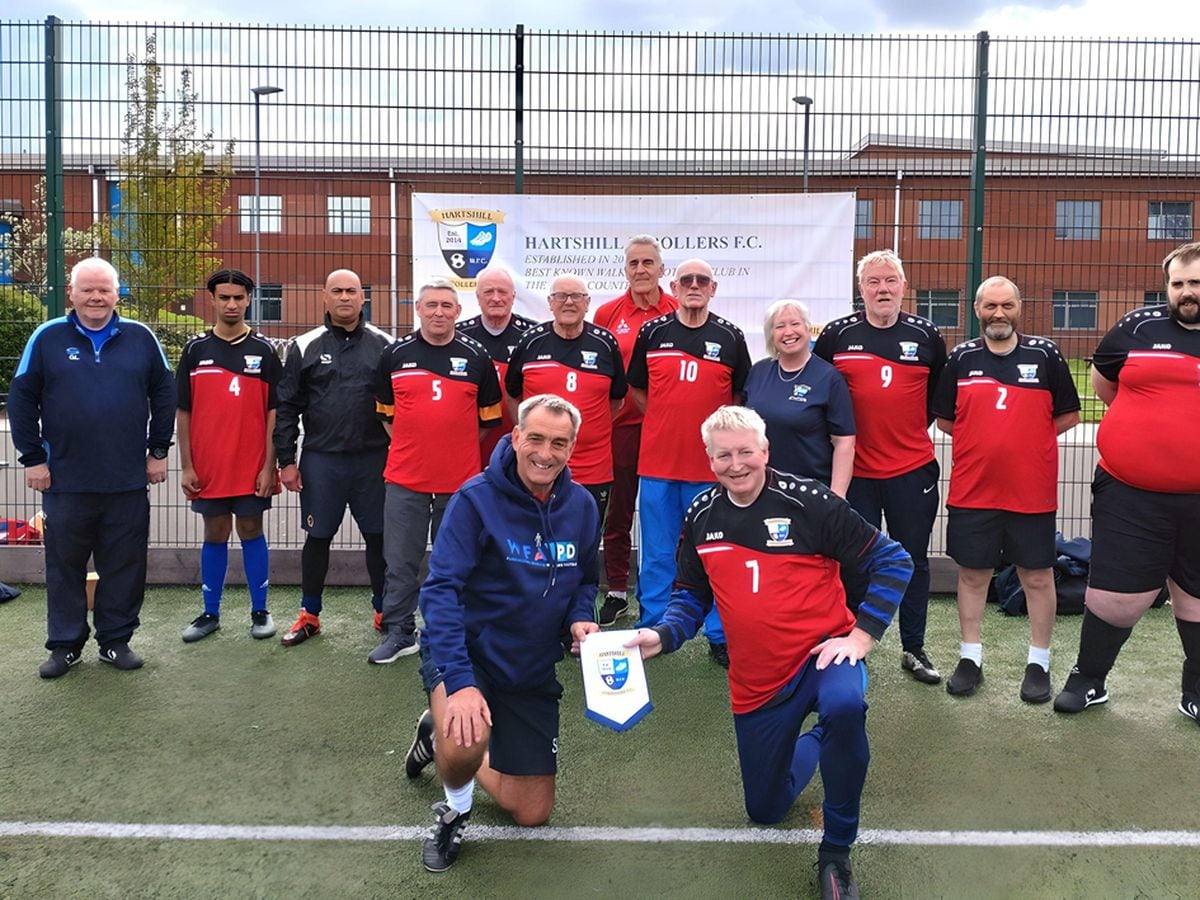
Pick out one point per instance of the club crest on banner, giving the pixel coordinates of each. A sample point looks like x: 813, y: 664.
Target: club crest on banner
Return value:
x: 614, y: 671
x: 467, y: 238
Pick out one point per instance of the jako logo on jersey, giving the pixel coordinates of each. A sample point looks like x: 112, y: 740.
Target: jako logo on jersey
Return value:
x: 1161, y: 347
x: 253, y: 363
x: 714, y: 536
x: 1027, y: 371
x: 908, y: 349
x: 589, y: 358
x: 711, y: 350
x: 205, y: 362
x: 458, y: 365
x: 73, y: 353
x: 614, y: 669
x: 326, y: 358
x: 778, y: 531
x: 408, y: 365
x: 855, y: 347
x: 975, y: 373
x: 800, y: 392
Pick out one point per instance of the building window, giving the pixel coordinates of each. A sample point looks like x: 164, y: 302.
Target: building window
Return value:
x: 349, y: 215
x: 366, y: 310
x: 1155, y: 298
x: 1077, y: 220
x: 939, y: 307
x: 864, y: 219
x: 270, y: 214
x: 1169, y: 220
x: 940, y: 220
x: 1075, y: 309
x: 270, y: 301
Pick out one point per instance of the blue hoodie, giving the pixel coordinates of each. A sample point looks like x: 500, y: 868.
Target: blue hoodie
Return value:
x: 506, y: 575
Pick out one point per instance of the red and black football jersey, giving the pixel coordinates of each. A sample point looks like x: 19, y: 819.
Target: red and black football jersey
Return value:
x: 1148, y: 436
x: 773, y: 569
x: 587, y: 371
x: 228, y: 387
x: 892, y: 373
x: 1005, y: 447
x: 687, y: 373
x: 499, y: 347
x: 437, y: 398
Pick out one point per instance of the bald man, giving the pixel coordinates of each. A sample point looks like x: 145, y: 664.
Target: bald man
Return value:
x: 329, y: 381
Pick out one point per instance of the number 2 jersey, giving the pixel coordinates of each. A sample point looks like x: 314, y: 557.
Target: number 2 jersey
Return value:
x: 773, y: 568
x: 585, y: 370
x: 1152, y: 429
x: 1005, y: 446
x: 437, y: 397
x: 228, y: 387
x: 687, y: 373
x: 892, y: 373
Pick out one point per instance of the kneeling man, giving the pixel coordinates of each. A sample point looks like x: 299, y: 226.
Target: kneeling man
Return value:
x: 767, y: 548
x: 514, y: 564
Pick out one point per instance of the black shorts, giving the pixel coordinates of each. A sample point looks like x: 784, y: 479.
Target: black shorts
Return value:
x: 524, y: 737
x: 333, y: 481
x: 990, y: 538
x: 242, y: 507
x: 1139, y: 538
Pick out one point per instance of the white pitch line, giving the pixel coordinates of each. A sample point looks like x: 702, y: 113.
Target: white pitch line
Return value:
x: 583, y: 834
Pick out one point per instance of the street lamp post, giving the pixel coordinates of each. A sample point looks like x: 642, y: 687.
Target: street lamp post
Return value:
x: 258, y: 92
x: 807, y: 103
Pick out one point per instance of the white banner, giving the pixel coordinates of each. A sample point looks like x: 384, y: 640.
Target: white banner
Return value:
x: 762, y: 247
x: 614, y: 680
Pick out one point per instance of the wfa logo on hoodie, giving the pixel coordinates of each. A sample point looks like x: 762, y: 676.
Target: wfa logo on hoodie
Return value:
x: 543, y: 553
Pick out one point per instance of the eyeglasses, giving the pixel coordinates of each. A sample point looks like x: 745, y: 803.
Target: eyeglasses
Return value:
x: 563, y: 297
x: 695, y: 280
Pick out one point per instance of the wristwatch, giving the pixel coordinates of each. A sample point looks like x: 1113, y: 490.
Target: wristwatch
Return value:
x: 158, y: 452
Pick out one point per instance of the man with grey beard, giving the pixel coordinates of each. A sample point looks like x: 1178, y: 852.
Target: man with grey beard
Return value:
x: 1004, y: 397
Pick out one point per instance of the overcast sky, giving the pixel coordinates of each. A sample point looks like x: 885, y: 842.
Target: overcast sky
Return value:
x: 1148, y: 18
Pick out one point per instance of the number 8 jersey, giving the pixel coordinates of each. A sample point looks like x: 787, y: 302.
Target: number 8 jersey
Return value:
x: 228, y: 387
x: 1005, y: 447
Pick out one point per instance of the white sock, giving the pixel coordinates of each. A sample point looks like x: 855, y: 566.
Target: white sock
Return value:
x: 1041, y: 656
x: 460, y: 798
x: 973, y: 652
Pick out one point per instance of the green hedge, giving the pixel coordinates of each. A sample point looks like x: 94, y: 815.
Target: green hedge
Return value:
x: 20, y: 314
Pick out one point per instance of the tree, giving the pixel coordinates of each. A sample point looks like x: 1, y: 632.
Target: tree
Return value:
x: 24, y: 249
x: 172, y: 197
x: 20, y: 314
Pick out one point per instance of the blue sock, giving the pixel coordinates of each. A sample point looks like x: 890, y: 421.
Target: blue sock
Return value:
x: 256, y: 561
x: 311, y: 604
x: 214, y: 560
x: 377, y: 605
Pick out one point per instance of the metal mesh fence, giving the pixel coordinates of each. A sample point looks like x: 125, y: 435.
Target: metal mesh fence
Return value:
x: 1088, y: 179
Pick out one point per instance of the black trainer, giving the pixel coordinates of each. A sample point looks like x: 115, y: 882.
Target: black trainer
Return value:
x: 121, y: 656
x: 420, y: 754
x: 445, y: 838
x: 966, y: 679
x: 719, y: 652
x: 60, y: 661
x: 836, y: 879
x: 1080, y: 692
x: 614, y: 606
x: 1035, y: 687
x: 917, y: 662
x: 1189, y: 705
x: 202, y: 626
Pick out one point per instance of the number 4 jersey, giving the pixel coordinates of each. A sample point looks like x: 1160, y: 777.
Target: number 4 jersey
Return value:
x: 1005, y: 446
x: 228, y: 387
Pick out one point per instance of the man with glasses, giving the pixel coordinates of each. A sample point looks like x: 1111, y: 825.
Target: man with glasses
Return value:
x: 498, y: 328
x: 580, y: 363
x: 685, y: 365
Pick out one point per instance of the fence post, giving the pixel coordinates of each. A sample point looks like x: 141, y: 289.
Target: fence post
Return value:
x: 56, y: 261
x: 519, y: 111
x: 978, y: 174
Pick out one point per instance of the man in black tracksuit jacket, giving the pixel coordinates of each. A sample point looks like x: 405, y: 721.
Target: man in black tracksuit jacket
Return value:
x: 86, y: 388
x: 329, y: 380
